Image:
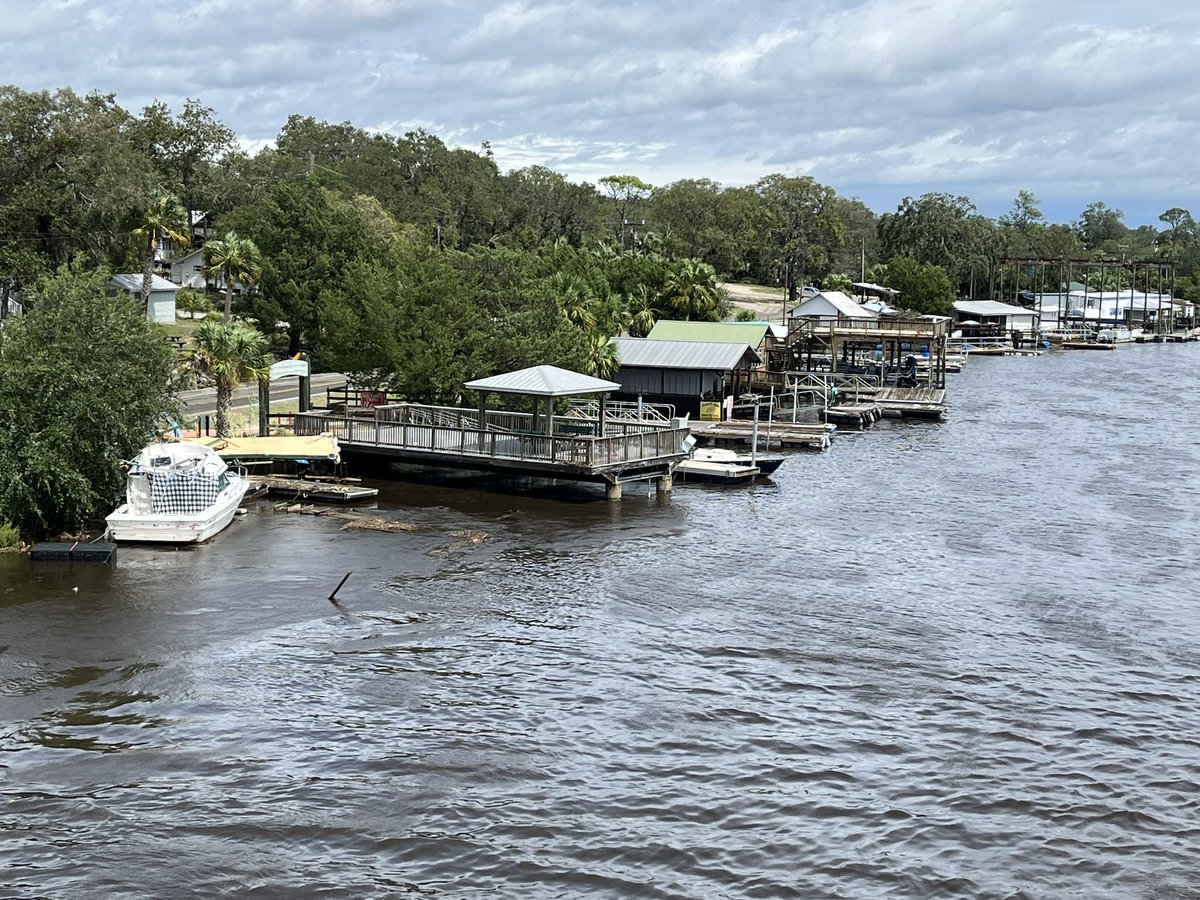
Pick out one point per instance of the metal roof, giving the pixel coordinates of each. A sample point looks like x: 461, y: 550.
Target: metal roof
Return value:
x: 723, y: 332
x: 990, y: 308
x: 543, y: 381
x: 836, y: 300
x: 134, y: 283
x: 712, y: 356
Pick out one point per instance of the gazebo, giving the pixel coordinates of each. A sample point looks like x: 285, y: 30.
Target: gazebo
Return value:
x: 548, y: 383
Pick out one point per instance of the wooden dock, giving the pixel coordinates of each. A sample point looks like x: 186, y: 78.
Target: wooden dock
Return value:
x: 799, y: 435
x: 570, y: 448
x: 1087, y: 345
x: 315, y: 489
x: 858, y: 415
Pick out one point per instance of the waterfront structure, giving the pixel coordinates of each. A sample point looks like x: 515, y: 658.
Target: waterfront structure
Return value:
x: 684, y: 374
x: 610, y: 447
x: 1002, y: 317
x: 829, y: 306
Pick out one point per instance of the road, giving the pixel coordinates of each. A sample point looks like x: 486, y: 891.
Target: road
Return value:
x: 203, y: 402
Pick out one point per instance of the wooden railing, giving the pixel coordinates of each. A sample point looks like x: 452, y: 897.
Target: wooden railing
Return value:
x: 455, y: 432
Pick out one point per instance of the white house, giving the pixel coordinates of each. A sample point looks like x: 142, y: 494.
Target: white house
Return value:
x: 188, y: 270
x: 830, y: 305
x: 162, y: 295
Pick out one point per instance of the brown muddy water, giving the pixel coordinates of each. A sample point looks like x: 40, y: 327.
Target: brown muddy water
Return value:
x: 957, y: 660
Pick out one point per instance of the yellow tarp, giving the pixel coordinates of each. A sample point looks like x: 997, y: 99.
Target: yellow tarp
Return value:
x: 320, y: 446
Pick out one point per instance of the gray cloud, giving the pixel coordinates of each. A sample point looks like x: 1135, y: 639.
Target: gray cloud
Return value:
x: 877, y: 99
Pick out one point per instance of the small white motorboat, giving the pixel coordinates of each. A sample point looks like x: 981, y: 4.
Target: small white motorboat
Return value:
x: 716, y: 465
x: 176, y: 493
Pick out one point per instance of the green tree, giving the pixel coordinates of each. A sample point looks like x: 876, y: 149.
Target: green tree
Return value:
x: 1025, y: 215
x: 642, y: 305
x: 691, y: 291
x: 627, y: 193
x: 836, y: 281
x: 602, y: 358
x: 538, y: 205
x: 1101, y: 228
x: 923, y: 287
x: 69, y: 176
x: 163, y: 216
x: 309, y: 236
x: 1179, y: 233
x: 101, y: 378
x: 234, y: 259
x: 185, y: 149
x: 230, y: 353
x: 942, y: 230
x: 801, y: 231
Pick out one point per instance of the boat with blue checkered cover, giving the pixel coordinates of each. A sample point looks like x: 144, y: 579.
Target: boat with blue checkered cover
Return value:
x: 176, y: 493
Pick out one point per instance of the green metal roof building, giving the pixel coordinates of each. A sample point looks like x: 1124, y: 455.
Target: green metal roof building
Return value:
x: 752, y: 333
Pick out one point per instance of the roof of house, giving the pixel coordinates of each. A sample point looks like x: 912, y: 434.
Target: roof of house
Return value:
x: 990, y: 308
x: 722, y: 332
x: 188, y: 255
x: 845, y: 306
x: 712, y: 356
x: 543, y: 381
x: 133, y: 283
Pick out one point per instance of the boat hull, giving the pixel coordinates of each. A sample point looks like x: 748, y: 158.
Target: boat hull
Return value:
x: 174, y: 528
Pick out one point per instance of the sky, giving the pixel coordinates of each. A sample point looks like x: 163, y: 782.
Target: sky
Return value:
x: 1075, y: 101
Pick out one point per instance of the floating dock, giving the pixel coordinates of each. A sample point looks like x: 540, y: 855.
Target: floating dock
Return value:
x: 803, y: 435
x: 66, y: 551
x: 854, y: 415
x: 1087, y: 345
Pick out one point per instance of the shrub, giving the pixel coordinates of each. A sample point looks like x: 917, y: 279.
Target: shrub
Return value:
x: 10, y: 538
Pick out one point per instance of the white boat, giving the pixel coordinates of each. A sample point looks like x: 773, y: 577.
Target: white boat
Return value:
x: 176, y: 493
x: 715, y: 465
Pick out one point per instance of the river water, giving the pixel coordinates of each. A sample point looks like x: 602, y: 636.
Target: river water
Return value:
x: 956, y: 660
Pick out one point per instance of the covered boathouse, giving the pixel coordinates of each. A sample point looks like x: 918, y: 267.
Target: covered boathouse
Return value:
x: 683, y: 374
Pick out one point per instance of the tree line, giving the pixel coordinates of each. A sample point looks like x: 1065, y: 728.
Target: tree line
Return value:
x: 420, y: 266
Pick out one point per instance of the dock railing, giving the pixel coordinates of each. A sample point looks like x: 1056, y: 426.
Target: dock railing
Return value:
x: 503, y: 435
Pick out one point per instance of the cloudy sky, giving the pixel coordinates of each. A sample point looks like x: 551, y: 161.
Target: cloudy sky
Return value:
x: 880, y: 99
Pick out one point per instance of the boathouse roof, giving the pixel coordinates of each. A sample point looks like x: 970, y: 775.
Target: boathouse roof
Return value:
x: 990, y: 308
x: 711, y: 356
x: 543, y: 381
x: 751, y: 333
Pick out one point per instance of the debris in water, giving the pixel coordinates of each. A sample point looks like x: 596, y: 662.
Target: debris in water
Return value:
x: 388, y: 525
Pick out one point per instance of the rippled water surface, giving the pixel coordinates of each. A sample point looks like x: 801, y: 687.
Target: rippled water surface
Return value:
x: 956, y: 660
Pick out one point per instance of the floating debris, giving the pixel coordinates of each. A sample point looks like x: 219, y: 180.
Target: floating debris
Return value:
x: 387, y: 525
x: 465, y: 539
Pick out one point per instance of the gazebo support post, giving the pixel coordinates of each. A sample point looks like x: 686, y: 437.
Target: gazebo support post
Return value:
x: 612, y: 491
x: 603, y: 415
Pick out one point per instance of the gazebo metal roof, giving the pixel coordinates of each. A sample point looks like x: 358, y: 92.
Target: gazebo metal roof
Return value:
x: 543, y: 381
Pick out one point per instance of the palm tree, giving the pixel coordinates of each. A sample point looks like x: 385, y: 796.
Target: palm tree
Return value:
x: 230, y: 352
x: 691, y: 290
x: 574, y: 296
x: 642, y: 316
x: 233, y: 258
x: 163, y: 216
x: 602, y: 358
x: 611, y: 315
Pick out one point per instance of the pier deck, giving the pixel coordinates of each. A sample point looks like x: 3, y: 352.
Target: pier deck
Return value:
x: 567, y: 447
